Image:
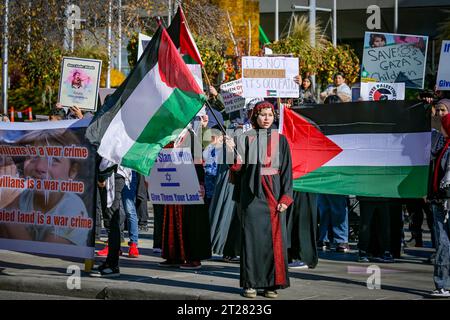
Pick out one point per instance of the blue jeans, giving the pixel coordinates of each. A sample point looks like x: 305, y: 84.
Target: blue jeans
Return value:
x: 129, y: 205
x: 333, y: 215
x: 442, y: 265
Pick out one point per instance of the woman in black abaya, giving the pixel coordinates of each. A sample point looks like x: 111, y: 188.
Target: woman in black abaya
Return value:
x: 264, y: 192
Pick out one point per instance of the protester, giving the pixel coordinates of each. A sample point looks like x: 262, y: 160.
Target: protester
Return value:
x: 186, y: 238
x: 333, y: 211
x: 264, y: 192
x: 224, y: 220
x: 307, y: 94
x: 339, y: 88
x: 113, y: 178
x: 302, y: 231
x: 129, y: 205
x: 439, y: 203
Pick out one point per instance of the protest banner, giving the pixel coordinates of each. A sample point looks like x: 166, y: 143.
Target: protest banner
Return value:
x: 395, y: 58
x: 232, y: 96
x: 377, y: 91
x: 47, y: 188
x: 264, y: 77
x: 173, y: 179
x: 443, y: 75
x: 79, y: 83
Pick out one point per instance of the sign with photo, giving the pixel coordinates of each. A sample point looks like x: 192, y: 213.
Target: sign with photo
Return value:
x: 79, y: 84
x: 443, y: 75
x: 377, y: 91
x: 265, y: 77
x: 394, y: 58
x: 47, y: 188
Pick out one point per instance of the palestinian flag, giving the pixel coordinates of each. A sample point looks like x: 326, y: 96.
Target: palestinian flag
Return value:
x: 157, y: 98
x: 379, y: 149
x: 184, y: 42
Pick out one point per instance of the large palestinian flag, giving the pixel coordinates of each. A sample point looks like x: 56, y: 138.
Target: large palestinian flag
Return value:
x: 157, y: 98
x: 379, y: 149
x: 184, y: 42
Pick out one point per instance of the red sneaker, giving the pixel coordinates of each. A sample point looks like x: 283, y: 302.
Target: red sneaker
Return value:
x: 104, y: 252
x: 133, y: 252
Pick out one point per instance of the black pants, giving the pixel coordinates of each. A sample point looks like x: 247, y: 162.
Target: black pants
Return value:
x: 158, y: 220
x: 302, y: 228
x: 374, y: 227
x: 416, y: 208
x: 114, y: 227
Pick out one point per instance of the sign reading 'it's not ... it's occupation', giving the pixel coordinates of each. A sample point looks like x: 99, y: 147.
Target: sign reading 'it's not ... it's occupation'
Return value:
x: 265, y: 77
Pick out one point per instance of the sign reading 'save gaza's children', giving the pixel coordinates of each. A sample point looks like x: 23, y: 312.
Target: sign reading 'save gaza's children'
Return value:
x: 264, y: 77
x: 393, y: 58
x: 173, y: 179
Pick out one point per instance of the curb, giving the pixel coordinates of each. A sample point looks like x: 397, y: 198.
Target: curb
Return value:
x: 55, y: 285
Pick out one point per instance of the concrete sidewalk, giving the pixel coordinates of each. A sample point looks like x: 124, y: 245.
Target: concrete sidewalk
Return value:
x: 337, y: 276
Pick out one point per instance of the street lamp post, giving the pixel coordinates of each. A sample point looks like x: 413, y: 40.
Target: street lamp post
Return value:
x: 120, y: 37
x: 108, y: 74
x: 276, y: 21
x: 396, y: 16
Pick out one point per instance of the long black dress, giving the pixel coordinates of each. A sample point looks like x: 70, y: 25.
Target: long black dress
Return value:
x: 263, y: 183
x: 302, y: 228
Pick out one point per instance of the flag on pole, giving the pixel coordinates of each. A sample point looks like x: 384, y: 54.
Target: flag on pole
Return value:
x: 159, y: 97
x: 184, y: 42
x: 378, y: 149
x: 263, y: 39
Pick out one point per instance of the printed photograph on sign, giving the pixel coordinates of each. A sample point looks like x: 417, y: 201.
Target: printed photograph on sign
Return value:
x: 394, y: 58
x: 265, y: 77
x: 443, y: 75
x: 47, y: 188
x: 79, y: 85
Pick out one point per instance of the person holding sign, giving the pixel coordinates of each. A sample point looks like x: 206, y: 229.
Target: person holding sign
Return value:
x: 339, y: 88
x: 264, y: 192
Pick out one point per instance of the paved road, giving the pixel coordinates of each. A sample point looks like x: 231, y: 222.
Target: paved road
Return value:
x: 337, y: 276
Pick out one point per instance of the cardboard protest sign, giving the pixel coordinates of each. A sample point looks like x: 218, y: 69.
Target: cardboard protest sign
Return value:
x: 173, y: 179
x: 264, y: 77
x: 232, y: 96
x: 443, y: 75
x: 80, y: 79
x: 395, y: 58
x: 377, y: 91
x: 47, y: 188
